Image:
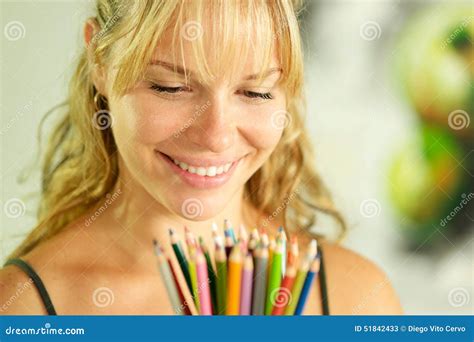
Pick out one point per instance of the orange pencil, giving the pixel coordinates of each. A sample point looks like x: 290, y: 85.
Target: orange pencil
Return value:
x: 234, y: 279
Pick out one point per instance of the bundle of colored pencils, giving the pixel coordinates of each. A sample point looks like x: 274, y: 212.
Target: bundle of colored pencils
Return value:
x: 256, y: 275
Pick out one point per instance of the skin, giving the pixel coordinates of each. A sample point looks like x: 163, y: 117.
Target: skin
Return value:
x: 118, y: 253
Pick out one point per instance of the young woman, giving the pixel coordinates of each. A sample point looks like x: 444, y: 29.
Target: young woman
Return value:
x: 179, y: 113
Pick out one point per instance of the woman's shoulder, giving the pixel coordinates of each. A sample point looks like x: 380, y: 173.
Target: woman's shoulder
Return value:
x: 18, y: 295
x: 357, y: 285
x: 53, y: 260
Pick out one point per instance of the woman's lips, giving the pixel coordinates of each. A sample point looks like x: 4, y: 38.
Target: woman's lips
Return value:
x: 196, y: 180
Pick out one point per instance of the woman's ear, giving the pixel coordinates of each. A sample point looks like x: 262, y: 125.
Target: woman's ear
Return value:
x: 91, y: 32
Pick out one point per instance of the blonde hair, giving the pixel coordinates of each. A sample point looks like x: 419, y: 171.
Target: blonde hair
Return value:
x: 81, y: 162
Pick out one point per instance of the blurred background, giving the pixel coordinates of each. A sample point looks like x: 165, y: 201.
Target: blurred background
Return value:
x: 390, y: 88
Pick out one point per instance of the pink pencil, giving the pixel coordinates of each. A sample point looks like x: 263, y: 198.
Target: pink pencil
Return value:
x: 203, y: 284
x: 246, y: 289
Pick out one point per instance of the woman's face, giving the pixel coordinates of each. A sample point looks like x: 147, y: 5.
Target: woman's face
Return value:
x: 193, y: 147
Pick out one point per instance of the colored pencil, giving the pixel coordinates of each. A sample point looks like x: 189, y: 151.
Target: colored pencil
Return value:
x: 254, y: 240
x: 211, y: 273
x: 194, y: 280
x: 243, y: 236
x: 252, y: 275
x: 293, y: 252
x: 282, y: 236
x: 301, y: 275
x: 184, y: 305
x: 229, y: 244
x: 221, y: 267
x: 312, y: 273
x: 228, y: 228
x: 204, y: 290
x: 190, y: 239
x: 274, y: 277
x: 167, y: 277
x: 284, y: 295
x: 271, y: 250
x: 234, y: 278
x: 246, y: 290
x: 179, y: 253
x: 260, y: 281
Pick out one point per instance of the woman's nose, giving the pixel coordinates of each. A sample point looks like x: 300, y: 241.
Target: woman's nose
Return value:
x: 213, y: 129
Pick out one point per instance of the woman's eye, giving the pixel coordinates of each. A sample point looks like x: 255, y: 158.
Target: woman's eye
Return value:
x: 169, y: 90
x: 253, y: 94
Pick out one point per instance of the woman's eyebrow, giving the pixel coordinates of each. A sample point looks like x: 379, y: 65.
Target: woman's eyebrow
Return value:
x: 182, y: 71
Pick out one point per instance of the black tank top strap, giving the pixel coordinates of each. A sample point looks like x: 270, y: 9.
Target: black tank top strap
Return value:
x: 323, y: 284
x: 26, y: 267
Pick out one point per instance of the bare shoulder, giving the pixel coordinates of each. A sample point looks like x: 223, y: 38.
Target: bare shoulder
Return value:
x: 56, y: 261
x: 356, y: 286
x: 18, y: 294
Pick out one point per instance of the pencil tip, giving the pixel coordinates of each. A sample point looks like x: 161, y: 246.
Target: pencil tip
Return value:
x: 155, y: 242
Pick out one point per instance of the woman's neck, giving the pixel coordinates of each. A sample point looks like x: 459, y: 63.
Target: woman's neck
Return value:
x: 137, y: 218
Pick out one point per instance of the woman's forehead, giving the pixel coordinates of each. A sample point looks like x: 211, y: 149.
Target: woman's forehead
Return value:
x: 189, y: 49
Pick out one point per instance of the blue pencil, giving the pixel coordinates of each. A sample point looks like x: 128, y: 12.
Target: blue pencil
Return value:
x: 312, y: 273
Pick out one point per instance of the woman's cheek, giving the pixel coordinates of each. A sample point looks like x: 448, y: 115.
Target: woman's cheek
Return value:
x: 261, y: 129
x: 148, y: 120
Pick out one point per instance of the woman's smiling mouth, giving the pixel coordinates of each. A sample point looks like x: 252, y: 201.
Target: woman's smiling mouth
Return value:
x: 202, y: 173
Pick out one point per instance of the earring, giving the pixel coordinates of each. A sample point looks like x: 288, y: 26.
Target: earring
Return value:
x: 99, y: 101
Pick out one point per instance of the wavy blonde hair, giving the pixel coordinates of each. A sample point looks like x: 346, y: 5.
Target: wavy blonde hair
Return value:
x: 81, y: 162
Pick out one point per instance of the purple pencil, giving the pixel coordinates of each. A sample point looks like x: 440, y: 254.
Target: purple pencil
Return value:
x: 246, y: 289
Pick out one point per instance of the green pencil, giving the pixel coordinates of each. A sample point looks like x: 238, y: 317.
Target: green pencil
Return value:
x: 274, y: 277
x: 297, y: 287
x: 194, y: 280
x: 178, y: 251
x: 221, y: 266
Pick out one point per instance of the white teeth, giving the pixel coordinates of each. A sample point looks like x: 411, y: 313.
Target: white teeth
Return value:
x: 201, y: 171
x: 210, y: 171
